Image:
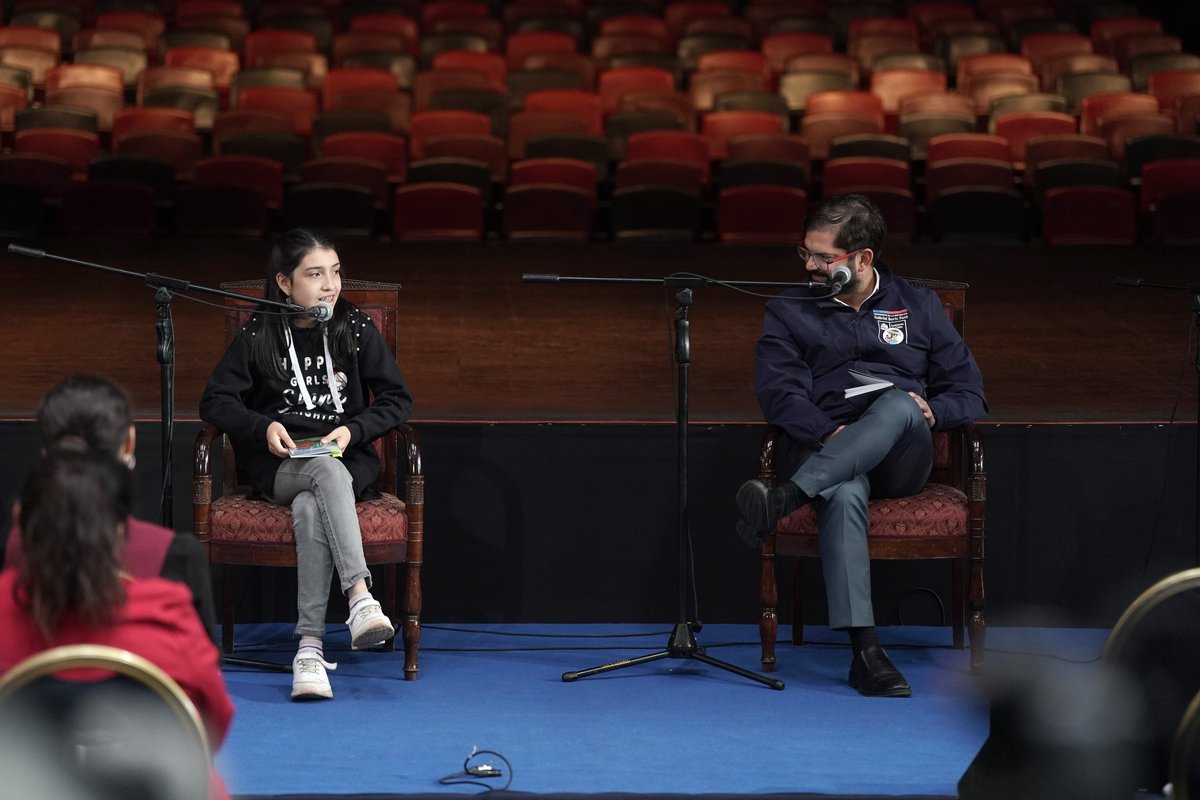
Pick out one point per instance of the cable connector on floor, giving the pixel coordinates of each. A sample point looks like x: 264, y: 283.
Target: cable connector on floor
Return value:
x: 484, y: 770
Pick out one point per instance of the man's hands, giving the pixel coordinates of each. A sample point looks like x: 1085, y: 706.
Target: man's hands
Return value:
x: 926, y: 411
x: 279, y: 441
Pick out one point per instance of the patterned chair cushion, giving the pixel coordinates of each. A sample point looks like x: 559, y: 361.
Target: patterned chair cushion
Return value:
x: 936, y: 512
x: 235, y: 518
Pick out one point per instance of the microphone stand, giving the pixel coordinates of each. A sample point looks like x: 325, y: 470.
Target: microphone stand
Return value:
x: 164, y: 288
x: 682, y: 642
x: 1194, y: 291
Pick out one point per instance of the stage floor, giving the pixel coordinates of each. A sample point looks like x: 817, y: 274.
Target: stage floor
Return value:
x: 674, y: 726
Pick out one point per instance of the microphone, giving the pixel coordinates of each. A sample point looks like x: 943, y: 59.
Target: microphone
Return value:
x: 840, y: 277
x: 533, y: 277
x: 26, y: 251
x: 1120, y: 280
x: 323, y: 311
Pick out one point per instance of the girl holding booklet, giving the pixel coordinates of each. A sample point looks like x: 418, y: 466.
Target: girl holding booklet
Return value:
x: 287, y: 377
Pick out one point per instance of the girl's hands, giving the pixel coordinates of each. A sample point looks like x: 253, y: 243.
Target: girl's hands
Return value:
x: 340, y: 434
x: 279, y: 441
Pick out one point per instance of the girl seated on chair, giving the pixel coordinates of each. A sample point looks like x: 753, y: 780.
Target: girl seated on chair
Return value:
x: 288, y: 377
x: 70, y: 588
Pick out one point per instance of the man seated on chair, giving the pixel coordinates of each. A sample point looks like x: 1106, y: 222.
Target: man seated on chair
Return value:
x: 872, y: 445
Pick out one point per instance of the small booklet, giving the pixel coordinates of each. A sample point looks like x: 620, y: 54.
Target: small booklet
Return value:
x: 867, y: 384
x: 307, y: 448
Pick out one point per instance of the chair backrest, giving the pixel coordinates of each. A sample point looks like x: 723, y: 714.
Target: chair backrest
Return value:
x: 120, y: 723
x: 379, y: 301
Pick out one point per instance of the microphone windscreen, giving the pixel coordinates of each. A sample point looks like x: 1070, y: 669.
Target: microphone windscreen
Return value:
x: 323, y: 311
x: 841, y: 276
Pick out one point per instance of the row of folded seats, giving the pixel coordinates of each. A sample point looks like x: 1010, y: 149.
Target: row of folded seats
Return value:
x: 1066, y: 189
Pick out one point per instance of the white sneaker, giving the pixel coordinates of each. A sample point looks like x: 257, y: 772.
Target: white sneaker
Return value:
x: 309, y: 681
x: 369, y: 626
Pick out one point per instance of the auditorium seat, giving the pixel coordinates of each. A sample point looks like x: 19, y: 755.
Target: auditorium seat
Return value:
x: 762, y: 172
x: 563, y: 171
x: 1018, y: 128
x: 1057, y: 172
x: 149, y: 25
x: 548, y: 212
x: 427, y: 83
x: 784, y: 146
x: 1144, y: 66
x: 580, y: 65
x: 154, y: 77
x: 128, y: 61
x: 221, y: 64
x: 435, y: 123
x: 871, y: 145
x: 262, y: 41
x: 1039, y: 149
x: 613, y: 83
x: 704, y: 87
x: 796, y: 86
x: 719, y: 127
x: 76, y: 147
x: 1075, y: 215
x: 340, y: 80
x: 965, y: 171
x: 1054, y: 68
x: 109, y: 208
x: 690, y: 147
x: 1143, y: 150
x: 245, y: 120
x: 967, y: 145
x: 848, y: 174
x: 761, y: 214
x: 484, y: 147
x: 261, y: 175
x: 1078, y: 85
x: 918, y: 129
x: 581, y: 102
x: 345, y: 120
x: 1106, y: 32
x: 1168, y: 86
x: 437, y: 212
x: 664, y: 171
x: 519, y: 45
x: 750, y: 61
x: 181, y: 149
x: 655, y: 213
x: 819, y: 129
x: 348, y: 44
x: 1032, y: 101
x: 341, y: 209
x: 620, y: 125
x: 36, y: 61
x: 979, y: 215
x: 388, y: 22
x: 1118, y: 131
x: 1112, y: 104
x: 363, y: 173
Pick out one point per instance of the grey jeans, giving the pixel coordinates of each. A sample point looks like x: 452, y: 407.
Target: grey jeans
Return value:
x: 887, y: 452
x: 321, y: 495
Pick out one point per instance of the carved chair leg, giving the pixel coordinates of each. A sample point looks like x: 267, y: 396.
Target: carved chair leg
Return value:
x: 958, y: 600
x: 412, y: 619
x: 976, y: 624
x: 798, y: 601
x: 768, y: 621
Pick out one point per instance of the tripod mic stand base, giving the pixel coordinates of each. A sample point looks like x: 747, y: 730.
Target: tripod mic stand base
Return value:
x: 246, y: 662
x: 682, y: 644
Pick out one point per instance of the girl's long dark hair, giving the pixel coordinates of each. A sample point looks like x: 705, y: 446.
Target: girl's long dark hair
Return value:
x: 266, y: 349
x: 85, y: 408
x: 72, y: 507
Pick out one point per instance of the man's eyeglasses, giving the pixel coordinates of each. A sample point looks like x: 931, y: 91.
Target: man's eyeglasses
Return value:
x: 820, y: 258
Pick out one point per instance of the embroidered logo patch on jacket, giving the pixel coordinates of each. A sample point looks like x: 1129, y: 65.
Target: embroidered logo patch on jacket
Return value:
x: 893, y: 325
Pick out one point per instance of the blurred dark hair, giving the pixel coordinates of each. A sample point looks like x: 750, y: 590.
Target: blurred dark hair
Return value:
x: 86, y: 409
x: 266, y: 349
x: 72, y: 507
x: 858, y: 221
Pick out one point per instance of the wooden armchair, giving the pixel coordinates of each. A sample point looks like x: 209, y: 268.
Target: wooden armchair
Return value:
x: 238, y: 530
x: 944, y: 520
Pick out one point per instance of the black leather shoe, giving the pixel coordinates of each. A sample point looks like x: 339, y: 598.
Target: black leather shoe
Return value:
x: 874, y: 674
x: 761, y: 508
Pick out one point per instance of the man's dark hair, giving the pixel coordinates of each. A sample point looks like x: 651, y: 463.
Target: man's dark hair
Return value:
x: 858, y: 221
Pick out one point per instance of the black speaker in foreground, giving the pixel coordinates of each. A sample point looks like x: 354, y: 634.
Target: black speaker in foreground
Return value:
x: 1068, y: 732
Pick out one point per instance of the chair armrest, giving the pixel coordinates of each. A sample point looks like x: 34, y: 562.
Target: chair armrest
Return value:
x: 202, y: 480
x: 412, y: 450
x: 975, y: 476
x: 767, y: 454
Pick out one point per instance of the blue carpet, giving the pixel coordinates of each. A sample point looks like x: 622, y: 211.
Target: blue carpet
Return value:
x: 674, y: 726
